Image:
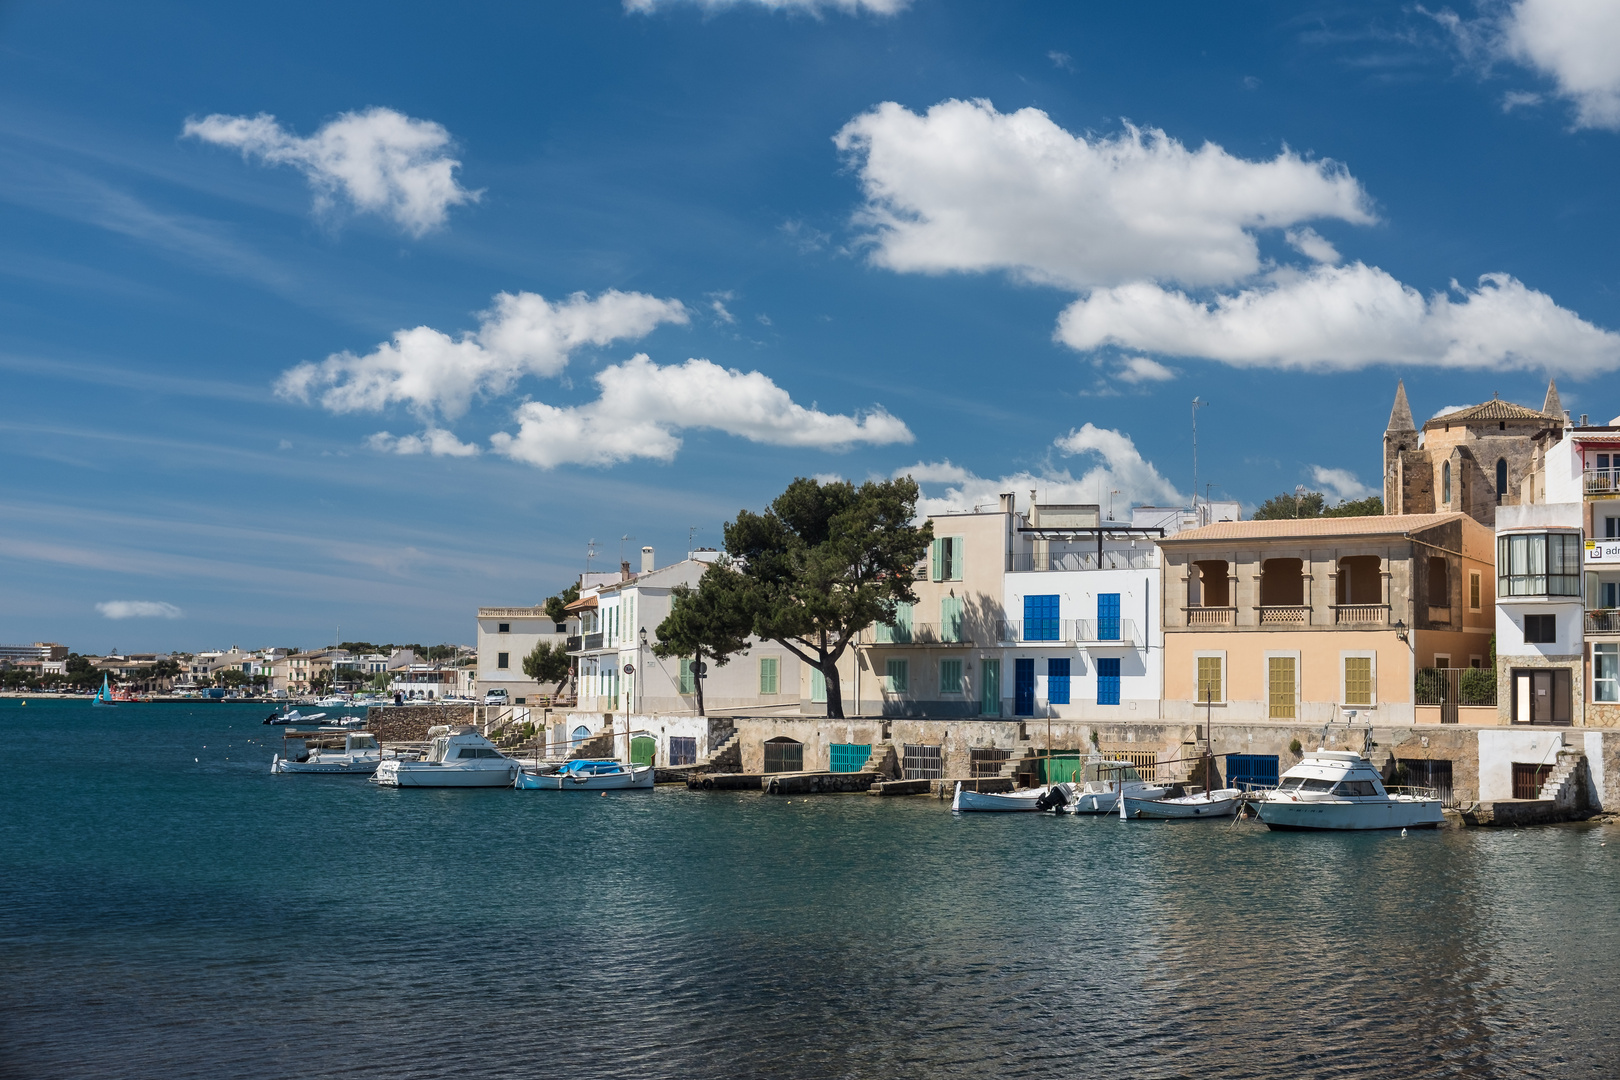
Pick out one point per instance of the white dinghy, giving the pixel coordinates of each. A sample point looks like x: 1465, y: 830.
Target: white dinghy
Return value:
x: 461, y: 759
x: 1030, y: 800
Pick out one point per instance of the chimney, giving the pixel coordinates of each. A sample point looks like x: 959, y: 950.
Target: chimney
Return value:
x: 1007, y: 501
x: 646, y: 560
x: 624, y: 570
x: 1034, y: 514
x: 1583, y: 419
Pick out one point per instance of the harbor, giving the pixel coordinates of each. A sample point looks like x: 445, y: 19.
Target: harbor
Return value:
x: 150, y: 884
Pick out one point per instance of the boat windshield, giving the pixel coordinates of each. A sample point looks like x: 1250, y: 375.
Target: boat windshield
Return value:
x: 1111, y: 771
x: 436, y: 752
x: 1313, y: 783
x: 363, y: 742
x: 1355, y: 787
x: 1290, y: 783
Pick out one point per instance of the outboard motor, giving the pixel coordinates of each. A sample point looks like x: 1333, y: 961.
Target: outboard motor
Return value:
x: 1054, y: 799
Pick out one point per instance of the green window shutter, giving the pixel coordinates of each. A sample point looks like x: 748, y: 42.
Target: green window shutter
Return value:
x: 958, y: 549
x: 768, y: 674
x: 688, y: 678
x: 818, y: 686
x: 885, y: 634
x: 902, y: 622
x: 950, y: 619
x: 896, y: 677
x: 950, y: 676
x: 936, y: 549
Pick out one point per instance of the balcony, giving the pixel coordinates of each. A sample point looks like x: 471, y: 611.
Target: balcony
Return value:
x: 1603, y: 621
x: 1360, y: 614
x: 575, y: 643
x: 1133, y: 559
x: 1115, y: 632
x: 1211, y: 616
x: 593, y: 641
x: 915, y: 634
x: 1285, y: 615
x: 1601, y: 483
x: 1123, y: 632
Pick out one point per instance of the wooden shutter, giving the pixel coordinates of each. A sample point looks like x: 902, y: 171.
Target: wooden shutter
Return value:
x: 936, y: 550
x: 958, y: 548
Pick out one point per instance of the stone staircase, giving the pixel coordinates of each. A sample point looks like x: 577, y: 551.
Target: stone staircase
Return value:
x: 724, y: 756
x: 1566, y: 786
x: 599, y: 745
x: 883, y: 760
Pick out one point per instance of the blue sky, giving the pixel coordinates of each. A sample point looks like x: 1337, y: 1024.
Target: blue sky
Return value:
x: 262, y: 386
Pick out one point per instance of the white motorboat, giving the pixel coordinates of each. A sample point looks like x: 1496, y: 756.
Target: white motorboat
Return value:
x: 332, y: 701
x: 1030, y: 800
x: 1222, y: 802
x: 293, y: 716
x: 334, y: 753
x: 586, y: 775
x: 462, y: 759
x: 1339, y: 789
x: 1100, y: 783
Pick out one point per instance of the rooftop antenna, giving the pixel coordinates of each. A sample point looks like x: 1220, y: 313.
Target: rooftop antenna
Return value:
x: 1196, y: 405
x: 622, y: 541
x: 1111, y: 495
x: 691, y: 538
x: 590, y: 553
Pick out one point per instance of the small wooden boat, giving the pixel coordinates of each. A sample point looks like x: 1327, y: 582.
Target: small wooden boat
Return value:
x: 1205, y: 804
x: 586, y: 775
x: 1028, y: 801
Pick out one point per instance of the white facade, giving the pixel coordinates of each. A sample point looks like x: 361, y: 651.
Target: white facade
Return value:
x: 506, y: 635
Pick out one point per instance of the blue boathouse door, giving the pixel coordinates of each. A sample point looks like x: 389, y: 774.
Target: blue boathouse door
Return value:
x: 1024, y: 686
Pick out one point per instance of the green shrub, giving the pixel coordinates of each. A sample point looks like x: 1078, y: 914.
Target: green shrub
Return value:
x: 1294, y: 747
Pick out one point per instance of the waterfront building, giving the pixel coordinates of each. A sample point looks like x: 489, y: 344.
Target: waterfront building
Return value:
x: 39, y: 650
x: 1313, y: 619
x: 507, y: 635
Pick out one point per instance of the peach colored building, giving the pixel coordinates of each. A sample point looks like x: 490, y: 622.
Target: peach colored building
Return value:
x: 1306, y: 620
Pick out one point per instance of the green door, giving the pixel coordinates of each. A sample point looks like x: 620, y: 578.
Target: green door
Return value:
x: 643, y: 749
x: 990, y: 691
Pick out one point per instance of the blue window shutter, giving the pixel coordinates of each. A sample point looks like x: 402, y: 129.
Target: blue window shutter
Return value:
x: 1108, y: 617
x: 1057, y: 680
x: 1108, y: 680
x: 1041, y: 621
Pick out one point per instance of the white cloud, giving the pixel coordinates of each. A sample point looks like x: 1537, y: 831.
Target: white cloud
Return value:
x: 1139, y: 369
x: 522, y: 334
x: 1344, y: 318
x: 139, y: 609
x: 643, y: 407
x: 1448, y: 409
x: 435, y: 441
x: 383, y: 162
x: 1311, y: 244
x: 814, y: 7
x: 963, y: 187
x: 1119, y: 466
x: 1340, y: 484
x: 1576, y: 43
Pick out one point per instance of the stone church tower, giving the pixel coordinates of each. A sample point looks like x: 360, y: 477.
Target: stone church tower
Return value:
x: 1470, y: 460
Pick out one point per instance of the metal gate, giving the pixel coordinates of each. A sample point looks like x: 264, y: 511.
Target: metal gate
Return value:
x: 1249, y: 771
x: 924, y: 762
x: 848, y: 757
x: 682, y: 750
x: 1024, y: 686
x: 784, y: 755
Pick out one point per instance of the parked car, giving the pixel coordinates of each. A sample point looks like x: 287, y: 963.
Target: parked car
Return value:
x: 495, y: 697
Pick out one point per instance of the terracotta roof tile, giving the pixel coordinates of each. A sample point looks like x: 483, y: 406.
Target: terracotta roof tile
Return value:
x: 1313, y: 528
x: 1494, y: 409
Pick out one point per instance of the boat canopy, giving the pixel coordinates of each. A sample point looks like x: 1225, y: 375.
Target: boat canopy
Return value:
x: 587, y: 767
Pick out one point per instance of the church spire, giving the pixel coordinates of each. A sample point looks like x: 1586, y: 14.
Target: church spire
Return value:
x: 1552, y: 406
x: 1400, y: 417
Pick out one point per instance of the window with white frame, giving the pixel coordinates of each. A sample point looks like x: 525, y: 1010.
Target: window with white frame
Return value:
x: 1606, y: 672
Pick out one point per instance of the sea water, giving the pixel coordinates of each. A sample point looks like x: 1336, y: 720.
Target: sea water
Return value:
x: 168, y: 908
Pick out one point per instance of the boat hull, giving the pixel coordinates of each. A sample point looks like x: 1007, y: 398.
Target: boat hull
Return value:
x: 1290, y: 815
x: 427, y: 774
x: 1107, y: 802
x: 1175, y: 810
x: 638, y: 778
x: 361, y: 767
x: 1021, y: 802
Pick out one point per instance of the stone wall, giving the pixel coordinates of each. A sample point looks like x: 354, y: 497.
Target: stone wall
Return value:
x: 410, y: 723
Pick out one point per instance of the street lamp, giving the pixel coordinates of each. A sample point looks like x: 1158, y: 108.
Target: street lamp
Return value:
x: 641, y: 643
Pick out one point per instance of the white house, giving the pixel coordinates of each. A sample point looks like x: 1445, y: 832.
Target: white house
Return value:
x: 505, y: 636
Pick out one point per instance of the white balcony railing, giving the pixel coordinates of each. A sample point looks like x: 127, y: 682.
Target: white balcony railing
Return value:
x: 1211, y: 616
x: 1601, y: 482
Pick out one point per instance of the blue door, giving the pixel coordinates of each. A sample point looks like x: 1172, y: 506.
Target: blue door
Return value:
x: 1108, y: 617
x: 847, y: 757
x: 1057, y: 680
x: 1024, y: 686
x: 1248, y: 771
x: 1108, y: 680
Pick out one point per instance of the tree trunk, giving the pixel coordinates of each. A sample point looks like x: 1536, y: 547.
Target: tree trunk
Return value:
x: 697, y: 678
x: 835, y: 695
